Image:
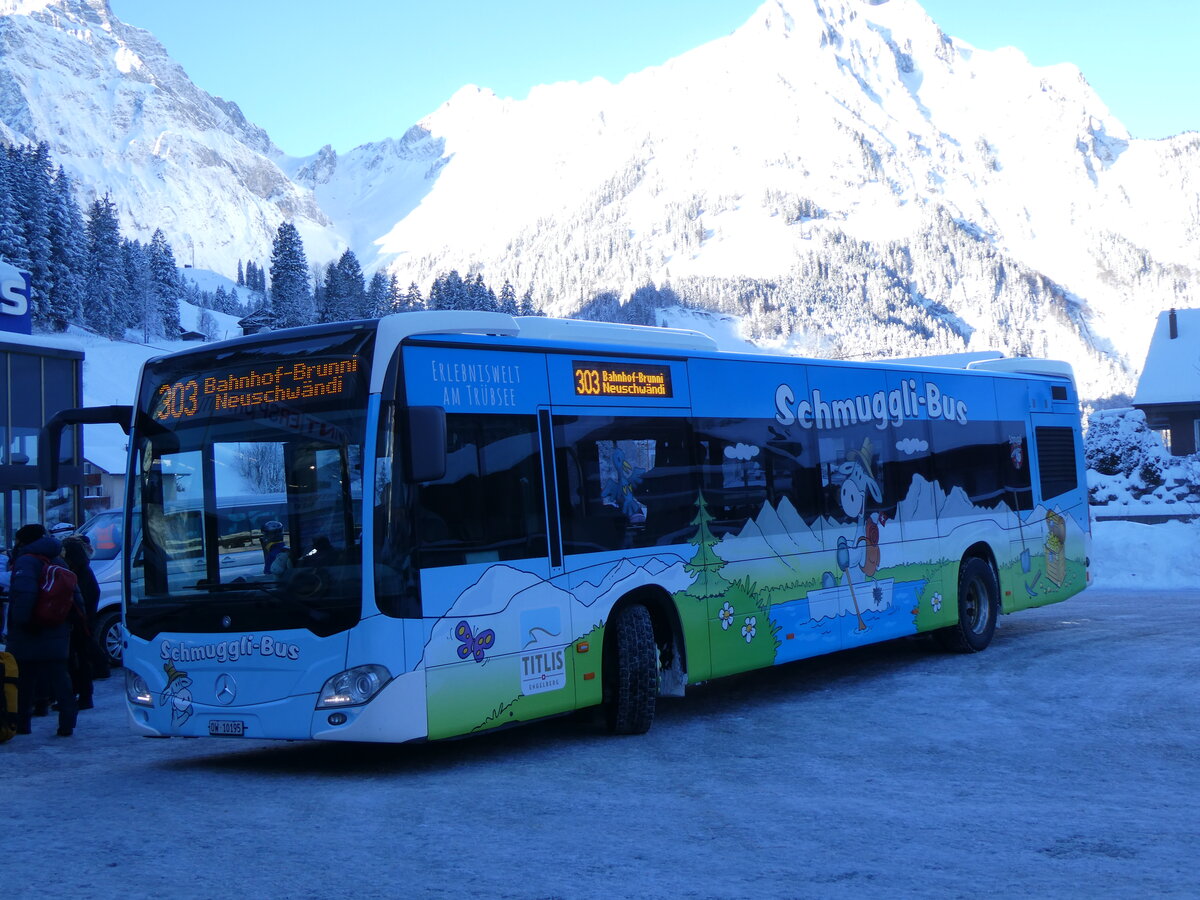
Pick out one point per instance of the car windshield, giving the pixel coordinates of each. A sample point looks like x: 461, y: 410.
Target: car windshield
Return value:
x: 105, y: 532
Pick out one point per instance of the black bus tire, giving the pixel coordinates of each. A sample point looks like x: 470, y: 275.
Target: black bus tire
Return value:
x: 631, y: 672
x: 978, y: 606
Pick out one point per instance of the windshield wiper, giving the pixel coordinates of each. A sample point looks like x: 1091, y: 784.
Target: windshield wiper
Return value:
x: 281, y: 595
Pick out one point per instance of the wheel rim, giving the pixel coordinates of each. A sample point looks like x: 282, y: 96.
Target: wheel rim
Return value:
x: 112, y: 641
x: 978, y: 607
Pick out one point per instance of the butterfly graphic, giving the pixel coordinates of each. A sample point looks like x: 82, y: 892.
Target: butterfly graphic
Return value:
x: 472, y: 644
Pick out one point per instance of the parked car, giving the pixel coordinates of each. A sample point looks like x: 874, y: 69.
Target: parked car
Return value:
x: 240, y: 520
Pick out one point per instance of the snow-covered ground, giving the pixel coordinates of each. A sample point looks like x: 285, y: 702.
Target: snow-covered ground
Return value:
x: 1060, y: 763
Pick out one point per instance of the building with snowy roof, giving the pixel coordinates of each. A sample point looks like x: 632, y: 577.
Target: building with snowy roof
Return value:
x: 1169, y: 390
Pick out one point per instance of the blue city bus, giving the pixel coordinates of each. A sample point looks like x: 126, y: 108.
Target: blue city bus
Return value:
x: 488, y: 520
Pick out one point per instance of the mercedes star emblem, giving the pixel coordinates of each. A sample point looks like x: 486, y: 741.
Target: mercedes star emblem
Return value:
x: 226, y: 689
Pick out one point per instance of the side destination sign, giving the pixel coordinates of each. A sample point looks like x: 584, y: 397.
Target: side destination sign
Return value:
x: 614, y: 379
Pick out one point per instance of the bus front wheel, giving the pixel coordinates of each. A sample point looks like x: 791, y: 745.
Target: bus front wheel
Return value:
x: 631, y: 671
x: 978, y: 606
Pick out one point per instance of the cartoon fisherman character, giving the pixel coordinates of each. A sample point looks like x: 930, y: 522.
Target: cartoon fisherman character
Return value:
x: 857, y: 480
x: 177, y: 692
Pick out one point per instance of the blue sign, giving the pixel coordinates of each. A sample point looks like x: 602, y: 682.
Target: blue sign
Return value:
x: 15, y: 315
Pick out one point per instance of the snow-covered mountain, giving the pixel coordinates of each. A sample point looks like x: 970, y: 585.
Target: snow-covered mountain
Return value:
x: 124, y: 119
x: 840, y: 173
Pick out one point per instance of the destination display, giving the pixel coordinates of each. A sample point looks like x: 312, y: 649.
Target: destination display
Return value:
x: 614, y: 379
x: 292, y: 382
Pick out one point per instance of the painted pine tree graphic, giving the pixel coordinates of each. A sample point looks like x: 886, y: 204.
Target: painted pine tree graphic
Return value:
x: 705, y: 565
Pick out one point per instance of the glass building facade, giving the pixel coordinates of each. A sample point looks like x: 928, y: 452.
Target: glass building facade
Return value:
x: 35, y: 383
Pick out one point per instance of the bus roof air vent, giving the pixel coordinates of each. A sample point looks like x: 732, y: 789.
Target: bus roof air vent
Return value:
x: 1025, y: 366
x: 580, y: 331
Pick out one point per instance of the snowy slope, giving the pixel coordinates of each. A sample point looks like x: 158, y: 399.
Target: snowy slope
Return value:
x: 867, y: 112
x: 123, y: 118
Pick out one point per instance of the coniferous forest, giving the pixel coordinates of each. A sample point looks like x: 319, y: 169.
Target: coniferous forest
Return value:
x: 85, y: 273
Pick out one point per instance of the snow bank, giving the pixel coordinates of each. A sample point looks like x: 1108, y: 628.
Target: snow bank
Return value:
x: 1145, y: 557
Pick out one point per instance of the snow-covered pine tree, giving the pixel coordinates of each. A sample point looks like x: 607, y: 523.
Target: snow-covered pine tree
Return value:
x: 325, y: 292
x: 377, y: 296
x: 165, y: 283
x: 479, y: 295
x: 291, y: 303
x: 508, y: 299
x: 255, y: 279
x: 528, y: 307
x: 241, y: 276
x: 448, y: 291
x: 34, y: 202
x: 68, y: 256
x: 394, y: 295
x: 413, y: 299
x: 140, y: 305
x: 352, y: 303
x: 12, y: 236
x: 106, y: 281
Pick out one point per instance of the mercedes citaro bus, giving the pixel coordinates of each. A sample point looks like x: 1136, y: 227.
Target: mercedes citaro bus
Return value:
x: 492, y: 519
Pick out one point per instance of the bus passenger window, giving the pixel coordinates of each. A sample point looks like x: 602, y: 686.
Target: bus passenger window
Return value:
x: 627, y: 482
x: 489, y: 505
x: 746, y: 464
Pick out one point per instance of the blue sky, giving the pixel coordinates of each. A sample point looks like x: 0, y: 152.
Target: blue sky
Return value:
x: 312, y: 73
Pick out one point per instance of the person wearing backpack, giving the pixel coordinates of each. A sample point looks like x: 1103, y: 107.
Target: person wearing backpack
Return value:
x: 41, y: 650
x: 83, y: 661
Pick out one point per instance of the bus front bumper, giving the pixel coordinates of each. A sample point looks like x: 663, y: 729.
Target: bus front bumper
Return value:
x: 395, y: 715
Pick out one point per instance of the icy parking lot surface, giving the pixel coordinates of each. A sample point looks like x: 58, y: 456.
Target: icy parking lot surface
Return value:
x: 1062, y: 762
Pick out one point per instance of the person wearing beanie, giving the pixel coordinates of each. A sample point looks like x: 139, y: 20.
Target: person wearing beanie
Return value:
x: 41, y: 652
x: 27, y: 534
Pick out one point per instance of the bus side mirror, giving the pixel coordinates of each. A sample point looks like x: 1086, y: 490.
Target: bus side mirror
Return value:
x: 426, y: 432
x: 50, y: 438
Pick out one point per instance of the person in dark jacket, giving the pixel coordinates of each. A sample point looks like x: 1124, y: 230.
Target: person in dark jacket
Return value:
x: 41, y: 652
x: 82, y: 660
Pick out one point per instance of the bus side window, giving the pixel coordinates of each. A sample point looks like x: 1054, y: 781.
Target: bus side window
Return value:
x: 629, y: 482
x: 975, y: 458
x: 489, y: 505
x: 746, y: 463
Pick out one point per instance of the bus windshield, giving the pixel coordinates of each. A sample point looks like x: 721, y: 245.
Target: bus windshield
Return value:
x: 281, y: 423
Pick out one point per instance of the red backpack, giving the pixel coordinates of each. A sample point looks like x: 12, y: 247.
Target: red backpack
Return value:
x: 56, y: 594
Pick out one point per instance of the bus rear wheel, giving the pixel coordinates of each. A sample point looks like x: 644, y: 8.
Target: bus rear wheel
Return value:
x: 978, y: 606
x: 631, y: 672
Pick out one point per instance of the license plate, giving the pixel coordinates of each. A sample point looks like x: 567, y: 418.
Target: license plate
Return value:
x: 233, y: 727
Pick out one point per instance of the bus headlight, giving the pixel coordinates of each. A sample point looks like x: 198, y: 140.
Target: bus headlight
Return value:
x: 136, y: 689
x: 353, y: 687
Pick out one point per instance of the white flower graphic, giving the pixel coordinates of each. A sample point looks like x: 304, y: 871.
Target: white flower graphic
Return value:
x: 936, y: 602
x: 750, y: 628
x: 726, y: 616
